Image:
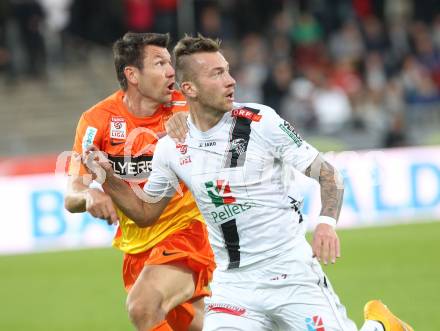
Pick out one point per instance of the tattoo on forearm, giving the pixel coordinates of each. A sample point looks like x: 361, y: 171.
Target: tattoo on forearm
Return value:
x: 332, y: 188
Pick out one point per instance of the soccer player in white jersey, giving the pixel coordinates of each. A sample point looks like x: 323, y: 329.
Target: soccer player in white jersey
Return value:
x: 268, y: 277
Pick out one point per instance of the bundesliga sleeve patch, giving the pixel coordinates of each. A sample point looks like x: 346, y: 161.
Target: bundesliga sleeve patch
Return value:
x: 288, y: 129
x: 89, y: 136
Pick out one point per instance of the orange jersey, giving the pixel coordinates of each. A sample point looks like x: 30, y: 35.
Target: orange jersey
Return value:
x: 129, y: 142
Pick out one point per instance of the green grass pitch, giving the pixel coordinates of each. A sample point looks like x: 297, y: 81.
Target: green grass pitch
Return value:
x: 82, y: 290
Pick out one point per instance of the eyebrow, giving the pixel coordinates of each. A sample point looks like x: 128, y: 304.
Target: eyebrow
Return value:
x: 161, y: 57
x: 220, y: 68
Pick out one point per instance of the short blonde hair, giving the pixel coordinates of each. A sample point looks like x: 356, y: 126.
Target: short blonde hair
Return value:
x: 188, y: 46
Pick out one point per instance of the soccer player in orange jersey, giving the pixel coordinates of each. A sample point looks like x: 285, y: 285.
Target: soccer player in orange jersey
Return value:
x: 167, y: 265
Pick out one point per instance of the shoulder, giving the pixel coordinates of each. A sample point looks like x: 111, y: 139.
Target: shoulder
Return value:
x: 262, y: 117
x: 103, y: 110
x: 263, y: 111
x: 166, y: 143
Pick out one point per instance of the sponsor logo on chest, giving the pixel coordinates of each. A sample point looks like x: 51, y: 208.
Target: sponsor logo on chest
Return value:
x: 224, y: 201
x: 132, y: 167
x: 183, y: 148
x: 118, y: 128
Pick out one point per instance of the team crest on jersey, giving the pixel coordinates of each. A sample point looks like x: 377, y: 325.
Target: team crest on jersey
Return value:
x: 315, y: 323
x: 183, y: 148
x: 118, y: 128
x: 238, y: 146
x: 246, y: 113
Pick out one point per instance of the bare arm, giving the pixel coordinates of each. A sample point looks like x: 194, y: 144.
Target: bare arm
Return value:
x: 80, y: 197
x: 76, y: 195
x: 139, y: 207
x: 332, y: 186
x: 325, y: 245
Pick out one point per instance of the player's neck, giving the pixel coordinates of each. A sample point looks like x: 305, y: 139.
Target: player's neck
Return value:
x: 139, y: 105
x: 203, y: 118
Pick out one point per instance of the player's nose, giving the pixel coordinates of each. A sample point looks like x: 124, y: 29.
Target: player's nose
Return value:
x: 230, y: 81
x: 170, y: 72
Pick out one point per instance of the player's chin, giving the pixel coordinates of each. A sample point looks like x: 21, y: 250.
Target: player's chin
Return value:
x: 166, y: 98
x: 228, y: 106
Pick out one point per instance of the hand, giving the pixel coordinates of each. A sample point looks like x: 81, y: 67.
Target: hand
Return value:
x: 325, y: 243
x: 97, y: 164
x: 100, y: 205
x: 176, y: 126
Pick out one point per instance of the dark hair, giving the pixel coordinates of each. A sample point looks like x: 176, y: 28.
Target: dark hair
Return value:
x: 191, y: 45
x: 129, y: 51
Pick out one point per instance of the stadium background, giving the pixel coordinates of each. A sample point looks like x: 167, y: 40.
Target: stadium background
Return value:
x: 358, y: 77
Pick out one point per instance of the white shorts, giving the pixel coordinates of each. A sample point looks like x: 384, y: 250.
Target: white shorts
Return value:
x: 291, y: 292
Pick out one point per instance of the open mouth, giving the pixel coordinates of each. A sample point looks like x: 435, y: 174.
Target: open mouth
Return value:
x: 170, y: 87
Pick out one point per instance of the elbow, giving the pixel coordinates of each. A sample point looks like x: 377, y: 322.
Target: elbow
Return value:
x: 144, y: 214
x: 143, y: 220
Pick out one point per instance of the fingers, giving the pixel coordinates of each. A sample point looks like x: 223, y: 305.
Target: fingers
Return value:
x: 331, y: 256
x: 322, y: 250
x: 100, y: 205
x: 106, y: 213
x: 176, y: 126
x: 97, y: 163
x: 316, y: 247
x: 338, y: 248
x: 91, y: 148
x: 325, y: 245
x: 111, y: 215
x: 106, y: 165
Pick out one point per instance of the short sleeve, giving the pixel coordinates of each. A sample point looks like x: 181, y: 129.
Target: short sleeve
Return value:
x: 88, y: 133
x: 162, y: 180
x: 286, y: 143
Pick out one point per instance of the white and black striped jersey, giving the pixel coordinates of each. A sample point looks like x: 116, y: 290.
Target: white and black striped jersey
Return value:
x: 234, y: 171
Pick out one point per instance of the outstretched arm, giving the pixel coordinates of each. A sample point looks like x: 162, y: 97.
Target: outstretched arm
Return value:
x: 131, y: 200
x: 141, y: 208
x: 326, y: 246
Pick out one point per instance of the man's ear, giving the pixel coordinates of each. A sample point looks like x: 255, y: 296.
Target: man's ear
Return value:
x: 189, y: 89
x: 131, y: 75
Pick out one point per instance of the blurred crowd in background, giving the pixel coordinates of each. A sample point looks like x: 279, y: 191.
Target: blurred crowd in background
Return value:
x: 366, y: 72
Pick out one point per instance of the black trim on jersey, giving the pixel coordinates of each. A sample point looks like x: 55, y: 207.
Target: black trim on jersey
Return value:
x: 232, y: 241
x: 239, y: 140
x: 132, y: 167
